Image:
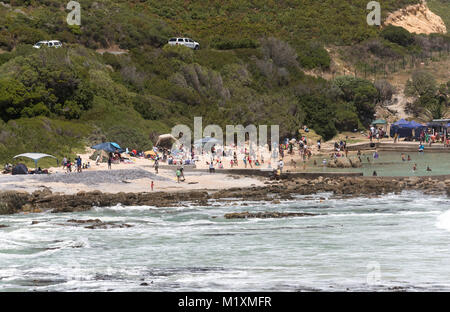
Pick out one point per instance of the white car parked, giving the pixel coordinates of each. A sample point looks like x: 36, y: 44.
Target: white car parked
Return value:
x: 51, y: 43
x: 186, y: 42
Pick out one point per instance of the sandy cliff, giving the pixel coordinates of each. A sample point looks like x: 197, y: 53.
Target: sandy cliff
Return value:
x: 417, y: 19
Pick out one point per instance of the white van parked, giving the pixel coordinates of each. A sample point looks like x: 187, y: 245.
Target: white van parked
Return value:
x: 186, y: 42
x: 51, y: 43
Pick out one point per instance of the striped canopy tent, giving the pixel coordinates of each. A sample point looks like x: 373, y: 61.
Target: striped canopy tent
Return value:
x: 34, y: 156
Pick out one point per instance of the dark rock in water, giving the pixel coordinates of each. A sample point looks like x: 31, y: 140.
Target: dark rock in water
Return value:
x: 144, y: 284
x: 35, y: 222
x: 265, y: 215
x: 108, y: 225
x: 3, y: 226
x: 85, y: 221
x: 41, y: 282
x: 99, y: 224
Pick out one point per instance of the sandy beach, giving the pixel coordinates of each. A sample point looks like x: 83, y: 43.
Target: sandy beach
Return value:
x: 135, y: 176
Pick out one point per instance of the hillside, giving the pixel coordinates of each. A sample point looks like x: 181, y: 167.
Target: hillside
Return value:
x: 441, y: 8
x: 253, y: 67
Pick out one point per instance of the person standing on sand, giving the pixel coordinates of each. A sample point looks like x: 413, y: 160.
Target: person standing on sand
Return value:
x: 178, y: 173
x: 78, y: 164
x: 109, y: 162
x: 182, y: 172
x: 152, y: 185
x: 281, y: 165
x: 97, y: 160
x: 156, y: 165
x: 69, y: 166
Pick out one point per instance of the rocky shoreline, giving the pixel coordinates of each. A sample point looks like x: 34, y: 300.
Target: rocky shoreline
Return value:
x: 44, y: 200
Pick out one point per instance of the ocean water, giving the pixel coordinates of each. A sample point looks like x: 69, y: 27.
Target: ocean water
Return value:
x: 393, y: 242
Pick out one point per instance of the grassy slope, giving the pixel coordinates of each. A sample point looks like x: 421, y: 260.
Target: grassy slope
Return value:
x: 441, y: 8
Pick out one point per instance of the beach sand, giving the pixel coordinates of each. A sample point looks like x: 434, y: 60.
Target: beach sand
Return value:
x: 124, y: 177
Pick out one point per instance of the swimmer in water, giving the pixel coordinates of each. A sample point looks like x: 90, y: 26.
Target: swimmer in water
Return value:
x: 428, y: 168
x: 403, y: 157
x: 409, y: 158
x: 375, y: 155
x: 415, y: 167
x: 374, y: 173
x: 368, y: 159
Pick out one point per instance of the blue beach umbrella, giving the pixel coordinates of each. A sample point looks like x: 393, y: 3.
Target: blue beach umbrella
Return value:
x: 206, y: 140
x: 109, y: 147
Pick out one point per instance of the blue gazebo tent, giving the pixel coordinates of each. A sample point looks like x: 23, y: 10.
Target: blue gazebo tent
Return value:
x: 405, y: 128
x: 401, y: 122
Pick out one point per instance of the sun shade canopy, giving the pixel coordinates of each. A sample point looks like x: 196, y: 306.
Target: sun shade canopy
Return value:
x: 34, y: 156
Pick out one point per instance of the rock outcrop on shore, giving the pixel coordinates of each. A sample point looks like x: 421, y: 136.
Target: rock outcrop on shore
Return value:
x: 345, y: 162
x: 44, y: 200
x: 39, y: 201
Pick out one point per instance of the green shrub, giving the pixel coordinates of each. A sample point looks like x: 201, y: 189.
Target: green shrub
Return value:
x: 313, y: 55
x: 228, y: 44
x: 398, y: 35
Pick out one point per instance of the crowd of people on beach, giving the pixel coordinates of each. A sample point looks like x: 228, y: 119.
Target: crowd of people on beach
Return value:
x: 78, y: 164
x: 376, y: 133
x: 246, y: 156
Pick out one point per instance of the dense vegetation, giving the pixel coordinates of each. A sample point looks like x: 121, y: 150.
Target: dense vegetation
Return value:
x: 432, y: 99
x: 250, y: 69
